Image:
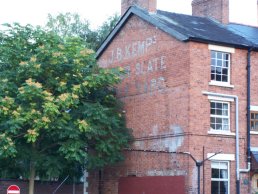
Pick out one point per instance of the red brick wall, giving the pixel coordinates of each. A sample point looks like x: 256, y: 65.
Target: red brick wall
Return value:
x: 155, y: 94
x: 41, y: 187
x: 217, y: 9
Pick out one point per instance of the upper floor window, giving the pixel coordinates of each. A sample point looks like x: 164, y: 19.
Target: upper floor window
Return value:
x: 219, y: 115
x: 220, y: 66
x: 254, y: 121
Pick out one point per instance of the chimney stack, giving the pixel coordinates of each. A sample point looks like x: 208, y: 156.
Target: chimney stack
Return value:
x: 216, y: 9
x: 149, y: 5
x: 227, y: 11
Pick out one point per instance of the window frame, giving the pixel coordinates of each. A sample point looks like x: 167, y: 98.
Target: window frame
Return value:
x: 214, y: 81
x: 220, y: 116
x: 221, y: 179
x: 225, y: 49
x: 253, y: 120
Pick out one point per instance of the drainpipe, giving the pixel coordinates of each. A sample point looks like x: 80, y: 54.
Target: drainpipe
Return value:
x: 248, y: 104
x: 248, y: 111
x: 237, y: 134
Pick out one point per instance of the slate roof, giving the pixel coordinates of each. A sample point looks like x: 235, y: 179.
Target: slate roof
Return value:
x: 250, y: 33
x: 187, y: 28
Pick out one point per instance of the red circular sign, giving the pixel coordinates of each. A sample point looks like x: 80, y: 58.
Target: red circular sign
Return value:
x: 13, y: 189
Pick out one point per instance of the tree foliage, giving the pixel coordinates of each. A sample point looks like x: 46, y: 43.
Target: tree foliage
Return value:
x: 72, y: 25
x: 58, y: 109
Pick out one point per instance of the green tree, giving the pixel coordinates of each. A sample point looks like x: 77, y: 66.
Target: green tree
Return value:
x: 107, y: 26
x: 72, y: 25
x: 57, y: 107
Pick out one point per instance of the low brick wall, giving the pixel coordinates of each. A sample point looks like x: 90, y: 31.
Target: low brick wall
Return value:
x: 42, y: 187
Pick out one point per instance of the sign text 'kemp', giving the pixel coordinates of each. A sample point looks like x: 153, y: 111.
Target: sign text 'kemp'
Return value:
x: 130, y: 51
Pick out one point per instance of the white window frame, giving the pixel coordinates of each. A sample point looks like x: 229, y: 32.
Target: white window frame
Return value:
x: 222, y: 60
x: 227, y: 50
x: 220, y: 116
x: 253, y: 109
x: 219, y: 179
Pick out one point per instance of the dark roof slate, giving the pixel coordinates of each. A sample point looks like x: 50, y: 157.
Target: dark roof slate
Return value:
x: 250, y: 33
x: 184, y: 28
x: 201, y: 29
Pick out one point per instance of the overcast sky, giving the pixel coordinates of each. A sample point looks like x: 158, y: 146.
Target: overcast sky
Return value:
x: 96, y: 11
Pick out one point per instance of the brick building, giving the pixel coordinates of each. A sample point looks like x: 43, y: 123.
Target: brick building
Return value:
x: 190, y: 94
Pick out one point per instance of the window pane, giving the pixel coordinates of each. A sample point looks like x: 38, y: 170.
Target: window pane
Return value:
x: 256, y: 116
x: 252, y: 125
x: 225, y: 106
x: 225, y: 64
x: 214, y: 187
x: 219, y: 55
x: 225, y: 121
x: 218, y: 77
x: 213, y: 54
x: 212, y: 126
x: 214, y: 173
x: 224, y: 78
x: 225, y: 127
x: 256, y: 125
x: 218, y: 127
x: 252, y: 115
x: 218, y: 120
x: 212, y: 111
x: 212, y: 104
x: 213, y: 62
x: 219, y: 105
x: 225, y: 71
x: 219, y: 112
x: 219, y: 63
x: 224, y: 174
x: 212, y: 120
x: 212, y: 76
x: 223, y: 187
x: 226, y: 57
x: 225, y: 112
x: 218, y: 70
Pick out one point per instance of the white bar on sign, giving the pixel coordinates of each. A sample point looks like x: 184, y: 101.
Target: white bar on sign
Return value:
x: 9, y: 192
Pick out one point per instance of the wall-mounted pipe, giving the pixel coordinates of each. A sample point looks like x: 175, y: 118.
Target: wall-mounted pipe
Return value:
x: 248, y: 103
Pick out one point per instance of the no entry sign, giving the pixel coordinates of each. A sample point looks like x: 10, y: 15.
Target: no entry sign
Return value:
x: 13, y: 189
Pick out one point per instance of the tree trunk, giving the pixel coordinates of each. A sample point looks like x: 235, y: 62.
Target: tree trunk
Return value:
x: 32, y: 177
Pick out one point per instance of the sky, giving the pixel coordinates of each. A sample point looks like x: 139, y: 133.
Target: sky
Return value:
x: 96, y: 11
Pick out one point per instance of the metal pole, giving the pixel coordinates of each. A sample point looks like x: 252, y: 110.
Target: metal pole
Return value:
x: 199, y: 164
x: 60, y: 184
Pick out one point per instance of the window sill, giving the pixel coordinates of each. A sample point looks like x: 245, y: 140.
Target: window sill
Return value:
x: 254, y: 132
x: 218, y: 132
x: 221, y: 84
